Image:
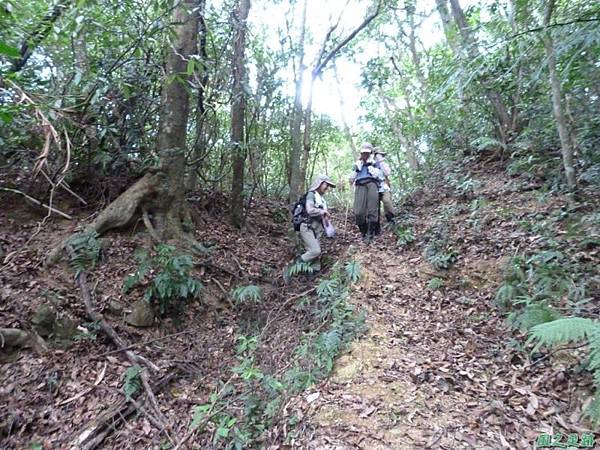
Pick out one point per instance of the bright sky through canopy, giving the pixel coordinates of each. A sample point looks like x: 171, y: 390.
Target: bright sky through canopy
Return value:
x: 320, y: 15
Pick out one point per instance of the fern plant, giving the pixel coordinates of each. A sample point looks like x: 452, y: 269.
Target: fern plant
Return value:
x: 574, y: 329
x: 353, y: 271
x: 172, y: 280
x: 534, y: 286
x: 247, y: 294
x: 132, y: 382
x: 86, y: 249
x: 299, y: 267
x: 404, y: 235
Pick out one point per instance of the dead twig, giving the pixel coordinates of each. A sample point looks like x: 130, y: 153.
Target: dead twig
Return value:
x: 112, y: 334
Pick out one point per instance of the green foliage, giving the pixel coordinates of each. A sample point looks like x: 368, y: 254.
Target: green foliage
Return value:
x: 404, y: 235
x: 300, y: 267
x: 441, y: 259
x: 86, y: 248
x: 353, y: 271
x: 531, y: 287
x: 132, y: 381
x: 532, y: 314
x: 263, y: 394
x: 574, y: 329
x: 247, y: 294
x: 435, y: 283
x: 172, y: 277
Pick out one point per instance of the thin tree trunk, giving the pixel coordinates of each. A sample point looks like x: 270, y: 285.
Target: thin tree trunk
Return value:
x: 200, y: 139
x: 238, y: 111
x: 296, y: 150
x: 409, y: 148
x: 471, y: 50
x: 347, y: 131
x: 557, y: 102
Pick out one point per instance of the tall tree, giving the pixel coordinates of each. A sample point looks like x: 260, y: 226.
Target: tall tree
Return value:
x: 238, y: 111
x: 160, y: 194
x: 471, y: 50
x: 322, y: 60
x: 296, y: 125
x: 557, y: 100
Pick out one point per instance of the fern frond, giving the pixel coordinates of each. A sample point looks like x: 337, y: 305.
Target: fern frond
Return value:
x: 534, y: 314
x: 248, y: 293
x: 594, y: 361
x: 327, y: 287
x: 86, y: 250
x: 353, y: 271
x: 563, y: 330
x: 132, y: 381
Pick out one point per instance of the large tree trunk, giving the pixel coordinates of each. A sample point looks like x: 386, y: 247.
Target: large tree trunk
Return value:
x: 160, y: 194
x: 238, y: 111
x: 557, y: 102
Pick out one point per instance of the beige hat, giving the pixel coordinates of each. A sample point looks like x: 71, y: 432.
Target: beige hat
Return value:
x: 378, y: 151
x: 320, y: 179
x: 366, y: 148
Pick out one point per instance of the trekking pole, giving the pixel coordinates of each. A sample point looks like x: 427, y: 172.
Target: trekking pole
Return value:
x: 346, y: 215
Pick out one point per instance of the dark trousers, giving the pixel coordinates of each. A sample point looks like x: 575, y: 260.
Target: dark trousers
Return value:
x: 366, y: 203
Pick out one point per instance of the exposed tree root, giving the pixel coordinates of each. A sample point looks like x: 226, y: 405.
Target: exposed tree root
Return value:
x: 134, y: 358
x: 150, y: 199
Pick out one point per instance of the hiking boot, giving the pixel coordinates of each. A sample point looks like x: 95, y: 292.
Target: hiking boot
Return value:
x: 371, y: 229
x: 363, y: 229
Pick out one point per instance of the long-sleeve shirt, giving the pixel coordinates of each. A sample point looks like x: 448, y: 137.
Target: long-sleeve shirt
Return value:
x: 364, y: 172
x: 386, y: 172
x: 315, y: 208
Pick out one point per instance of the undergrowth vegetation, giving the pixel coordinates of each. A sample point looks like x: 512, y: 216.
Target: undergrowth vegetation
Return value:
x: 241, y: 410
x: 166, y: 276
x: 548, y: 293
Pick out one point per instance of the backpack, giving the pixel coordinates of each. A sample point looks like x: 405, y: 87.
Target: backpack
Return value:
x: 299, y: 213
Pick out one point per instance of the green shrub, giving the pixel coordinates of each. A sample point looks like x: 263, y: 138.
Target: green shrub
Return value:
x: 86, y: 248
x: 171, y: 277
x: 247, y: 294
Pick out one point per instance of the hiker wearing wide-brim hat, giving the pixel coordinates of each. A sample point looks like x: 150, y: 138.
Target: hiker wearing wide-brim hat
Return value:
x: 385, y: 189
x: 366, y: 178
x: 312, y: 212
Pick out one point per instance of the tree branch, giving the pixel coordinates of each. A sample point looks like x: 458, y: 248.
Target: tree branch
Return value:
x: 319, y: 67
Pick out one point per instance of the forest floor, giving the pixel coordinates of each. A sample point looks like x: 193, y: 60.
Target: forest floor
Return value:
x: 437, y: 366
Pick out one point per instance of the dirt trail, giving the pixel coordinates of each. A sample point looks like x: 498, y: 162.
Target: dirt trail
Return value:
x: 438, y: 366
x: 402, y: 385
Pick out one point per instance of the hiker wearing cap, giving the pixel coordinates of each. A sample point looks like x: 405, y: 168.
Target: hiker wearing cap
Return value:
x: 316, y: 217
x: 385, y: 194
x: 365, y: 178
